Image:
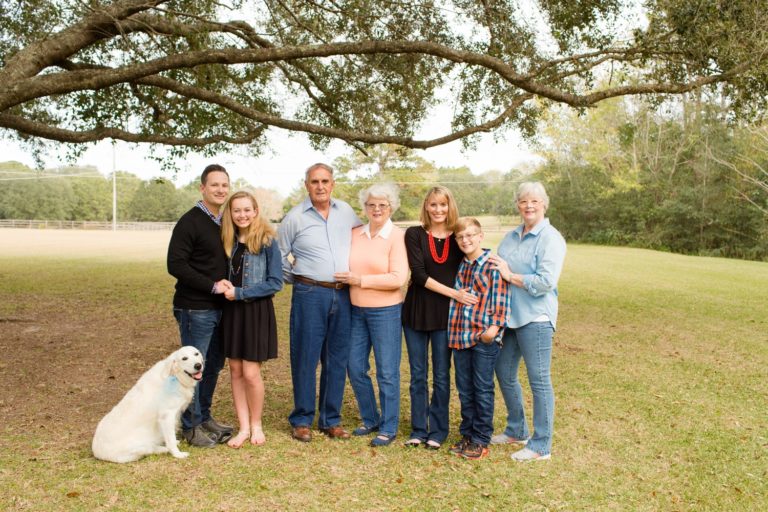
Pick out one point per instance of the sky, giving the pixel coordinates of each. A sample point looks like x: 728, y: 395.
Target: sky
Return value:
x: 283, y: 166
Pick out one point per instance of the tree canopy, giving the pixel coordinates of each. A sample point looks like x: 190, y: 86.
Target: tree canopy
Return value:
x: 202, y: 74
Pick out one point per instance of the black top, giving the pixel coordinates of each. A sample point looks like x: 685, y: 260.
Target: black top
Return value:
x: 423, y: 309
x: 196, y: 258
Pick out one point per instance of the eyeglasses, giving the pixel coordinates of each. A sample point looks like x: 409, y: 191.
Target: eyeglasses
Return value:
x: 530, y: 202
x: 377, y: 206
x: 467, y: 236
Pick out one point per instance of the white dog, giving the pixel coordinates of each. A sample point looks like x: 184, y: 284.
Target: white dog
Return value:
x: 144, y: 421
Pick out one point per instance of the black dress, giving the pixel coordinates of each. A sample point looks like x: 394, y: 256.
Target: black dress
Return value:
x: 423, y: 309
x: 248, y: 329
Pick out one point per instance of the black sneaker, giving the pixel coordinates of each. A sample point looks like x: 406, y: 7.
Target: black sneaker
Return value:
x: 459, y: 445
x: 197, y: 436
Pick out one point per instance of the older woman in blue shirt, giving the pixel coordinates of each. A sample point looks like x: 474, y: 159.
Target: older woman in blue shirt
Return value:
x: 530, y: 258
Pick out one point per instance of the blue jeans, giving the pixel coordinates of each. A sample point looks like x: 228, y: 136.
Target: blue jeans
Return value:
x: 320, y: 322
x: 199, y: 328
x: 474, y: 382
x: 532, y: 342
x: 429, y: 419
x: 377, y: 328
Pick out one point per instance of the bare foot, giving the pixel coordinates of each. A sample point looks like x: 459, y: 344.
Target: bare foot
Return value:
x: 257, y: 436
x: 239, y: 439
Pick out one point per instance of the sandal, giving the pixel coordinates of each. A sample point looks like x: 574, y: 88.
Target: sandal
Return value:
x: 432, y: 445
x: 413, y: 442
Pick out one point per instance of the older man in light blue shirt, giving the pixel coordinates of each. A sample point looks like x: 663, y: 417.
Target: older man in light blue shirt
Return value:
x: 314, y: 239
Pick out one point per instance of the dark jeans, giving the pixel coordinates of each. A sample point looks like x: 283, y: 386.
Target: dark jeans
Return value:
x: 429, y: 418
x: 320, y: 333
x: 199, y: 328
x: 474, y: 382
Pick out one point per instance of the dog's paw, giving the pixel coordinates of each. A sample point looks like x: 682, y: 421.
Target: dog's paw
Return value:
x: 180, y: 455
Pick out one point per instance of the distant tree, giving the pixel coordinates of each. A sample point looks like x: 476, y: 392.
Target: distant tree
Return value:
x: 28, y: 194
x: 155, y: 200
x: 659, y: 176
x: 127, y: 186
x: 93, y: 196
x: 412, y: 174
x: 270, y: 201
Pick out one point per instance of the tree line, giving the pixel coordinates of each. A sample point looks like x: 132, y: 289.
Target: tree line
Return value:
x: 678, y: 175
x: 82, y: 193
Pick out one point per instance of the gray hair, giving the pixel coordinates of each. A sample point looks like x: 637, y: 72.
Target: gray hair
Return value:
x: 532, y: 188
x: 386, y: 190
x: 318, y: 165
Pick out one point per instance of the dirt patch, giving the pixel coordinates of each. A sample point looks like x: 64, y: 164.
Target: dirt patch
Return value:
x: 66, y: 365
x: 69, y: 357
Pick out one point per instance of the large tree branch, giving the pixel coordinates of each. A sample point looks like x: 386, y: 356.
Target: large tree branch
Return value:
x: 29, y: 89
x: 347, y: 135
x: 100, y: 24
x: 352, y: 137
x: 49, y: 132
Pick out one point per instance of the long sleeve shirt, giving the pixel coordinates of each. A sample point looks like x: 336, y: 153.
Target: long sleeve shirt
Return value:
x: 538, y: 257
x: 467, y: 323
x: 196, y: 258
x: 423, y: 309
x: 382, y: 264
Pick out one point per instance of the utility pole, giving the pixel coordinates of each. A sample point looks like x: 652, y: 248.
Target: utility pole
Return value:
x: 114, y: 188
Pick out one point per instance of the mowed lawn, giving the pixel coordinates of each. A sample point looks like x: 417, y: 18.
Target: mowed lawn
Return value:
x: 659, y: 367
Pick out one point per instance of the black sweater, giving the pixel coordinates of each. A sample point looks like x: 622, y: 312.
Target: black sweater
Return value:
x: 196, y: 258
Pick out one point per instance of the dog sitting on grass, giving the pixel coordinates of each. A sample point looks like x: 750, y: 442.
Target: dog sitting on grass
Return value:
x: 144, y: 421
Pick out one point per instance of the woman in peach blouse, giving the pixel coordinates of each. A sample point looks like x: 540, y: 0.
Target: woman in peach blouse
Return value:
x: 378, y: 269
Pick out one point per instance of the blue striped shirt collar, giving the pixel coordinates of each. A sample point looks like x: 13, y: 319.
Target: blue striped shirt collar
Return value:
x: 214, y: 218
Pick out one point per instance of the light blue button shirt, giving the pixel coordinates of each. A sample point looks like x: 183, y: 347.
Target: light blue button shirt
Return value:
x: 538, y: 257
x: 319, y: 246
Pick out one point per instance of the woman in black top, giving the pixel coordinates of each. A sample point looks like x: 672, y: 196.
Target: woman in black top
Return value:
x: 434, y: 259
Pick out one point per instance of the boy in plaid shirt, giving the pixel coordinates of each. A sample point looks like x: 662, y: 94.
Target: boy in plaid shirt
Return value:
x: 474, y: 335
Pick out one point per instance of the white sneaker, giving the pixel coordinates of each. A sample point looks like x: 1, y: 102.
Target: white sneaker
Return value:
x: 505, y: 439
x: 528, y: 455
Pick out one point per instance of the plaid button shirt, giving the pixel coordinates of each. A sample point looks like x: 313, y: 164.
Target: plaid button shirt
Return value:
x: 467, y: 323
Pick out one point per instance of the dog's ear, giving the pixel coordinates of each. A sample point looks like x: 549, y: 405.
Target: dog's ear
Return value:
x: 170, y: 365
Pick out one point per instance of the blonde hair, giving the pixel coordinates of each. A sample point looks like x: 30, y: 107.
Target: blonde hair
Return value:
x: 464, y: 223
x: 453, y: 211
x: 260, y: 232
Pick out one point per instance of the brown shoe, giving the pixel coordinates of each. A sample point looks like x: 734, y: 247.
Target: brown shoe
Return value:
x: 301, y: 433
x: 335, y: 432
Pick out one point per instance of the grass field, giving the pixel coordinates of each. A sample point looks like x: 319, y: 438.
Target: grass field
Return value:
x: 660, y: 378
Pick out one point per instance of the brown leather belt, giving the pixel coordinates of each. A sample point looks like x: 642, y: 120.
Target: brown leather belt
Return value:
x: 324, y: 284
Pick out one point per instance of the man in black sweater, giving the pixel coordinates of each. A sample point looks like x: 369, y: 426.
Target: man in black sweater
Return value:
x: 197, y: 260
